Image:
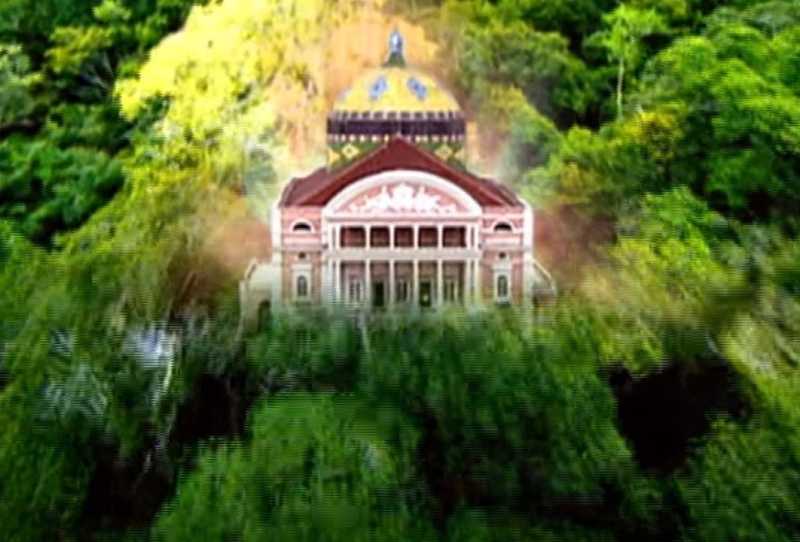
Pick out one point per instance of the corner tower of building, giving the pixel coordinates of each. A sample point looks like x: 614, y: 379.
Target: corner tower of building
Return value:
x: 395, y: 101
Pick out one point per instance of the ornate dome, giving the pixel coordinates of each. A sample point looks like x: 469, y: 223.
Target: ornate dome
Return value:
x: 395, y: 101
x: 395, y: 89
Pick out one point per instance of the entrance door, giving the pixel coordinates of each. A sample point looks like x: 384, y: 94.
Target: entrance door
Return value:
x: 425, y: 293
x: 378, y: 295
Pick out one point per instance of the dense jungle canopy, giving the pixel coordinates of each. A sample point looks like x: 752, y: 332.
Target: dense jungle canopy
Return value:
x: 655, y: 399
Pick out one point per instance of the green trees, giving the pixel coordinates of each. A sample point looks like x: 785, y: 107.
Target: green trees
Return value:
x: 45, y: 463
x: 737, y: 76
x: 697, y: 179
x: 626, y: 27
x: 315, y: 468
x: 503, y: 391
x: 62, y: 139
x: 17, y: 84
x: 367, y: 438
x: 47, y: 189
x: 538, y: 63
x: 759, y: 505
x: 729, y: 81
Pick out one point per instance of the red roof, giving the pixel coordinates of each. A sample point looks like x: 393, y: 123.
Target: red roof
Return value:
x: 318, y: 188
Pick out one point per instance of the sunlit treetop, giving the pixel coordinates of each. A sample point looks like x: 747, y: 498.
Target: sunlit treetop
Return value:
x: 243, y: 74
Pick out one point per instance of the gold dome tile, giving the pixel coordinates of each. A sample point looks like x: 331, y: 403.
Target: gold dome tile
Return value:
x: 396, y: 89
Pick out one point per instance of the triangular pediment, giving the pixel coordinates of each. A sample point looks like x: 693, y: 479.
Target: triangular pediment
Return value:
x: 319, y: 188
x: 403, y: 193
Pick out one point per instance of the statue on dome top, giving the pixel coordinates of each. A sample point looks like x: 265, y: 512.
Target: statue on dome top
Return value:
x: 396, y: 45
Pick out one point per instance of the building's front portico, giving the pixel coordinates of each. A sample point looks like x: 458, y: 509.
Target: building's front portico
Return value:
x: 401, y: 237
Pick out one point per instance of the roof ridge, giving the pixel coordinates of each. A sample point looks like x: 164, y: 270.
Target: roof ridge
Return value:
x: 319, y: 186
x: 348, y: 167
x: 478, y: 178
x: 291, y: 186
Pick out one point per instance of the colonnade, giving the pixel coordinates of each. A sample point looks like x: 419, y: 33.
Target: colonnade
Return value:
x: 337, y: 284
x: 335, y: 238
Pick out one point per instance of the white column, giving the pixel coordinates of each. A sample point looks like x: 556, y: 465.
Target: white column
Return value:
x: 391, y: 283
x: 439, y: 240
x: 439, y: 284
x: 332, y: 282
x: 391, y: 236
x: 368, y: 233
x: 477, y: 282
x: 337, y: 277
x: 476, y: 286
x: 415, y: 285
x: 334, y: 274
x: 327, y: 280
x: 415, y: 243
x: 337, y: 237
x: 368, y: 282
x: 468, y: 282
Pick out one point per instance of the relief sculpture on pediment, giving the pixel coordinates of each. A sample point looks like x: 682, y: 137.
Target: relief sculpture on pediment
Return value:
x: 403, y: 198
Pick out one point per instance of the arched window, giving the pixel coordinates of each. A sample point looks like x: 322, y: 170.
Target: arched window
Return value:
x: 301, y: 227
x: 502, y: 288
x: 503, y: 227
x: 302, y: 287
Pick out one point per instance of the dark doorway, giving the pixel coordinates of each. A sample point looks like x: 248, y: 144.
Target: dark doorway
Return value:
x: 264, y: 314
x: 378, y: 295
x: 425, y: 293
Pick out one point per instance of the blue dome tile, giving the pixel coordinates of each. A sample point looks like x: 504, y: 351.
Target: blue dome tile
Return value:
x: 378, y: 88
x: 419, y: 90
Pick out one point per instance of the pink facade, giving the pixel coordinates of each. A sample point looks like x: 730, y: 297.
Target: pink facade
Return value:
x: 400, y: 238
x: 399, y: 225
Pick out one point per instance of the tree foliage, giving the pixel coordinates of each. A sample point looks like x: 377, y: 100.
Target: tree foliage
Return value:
x: 626, y: 27
x: 340, y: 470
x: 63, y: 138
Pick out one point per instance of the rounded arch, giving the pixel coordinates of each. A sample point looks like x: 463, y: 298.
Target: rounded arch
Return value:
x: 502, y: 226
x: 301, y: 226
x: 421, y: 178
